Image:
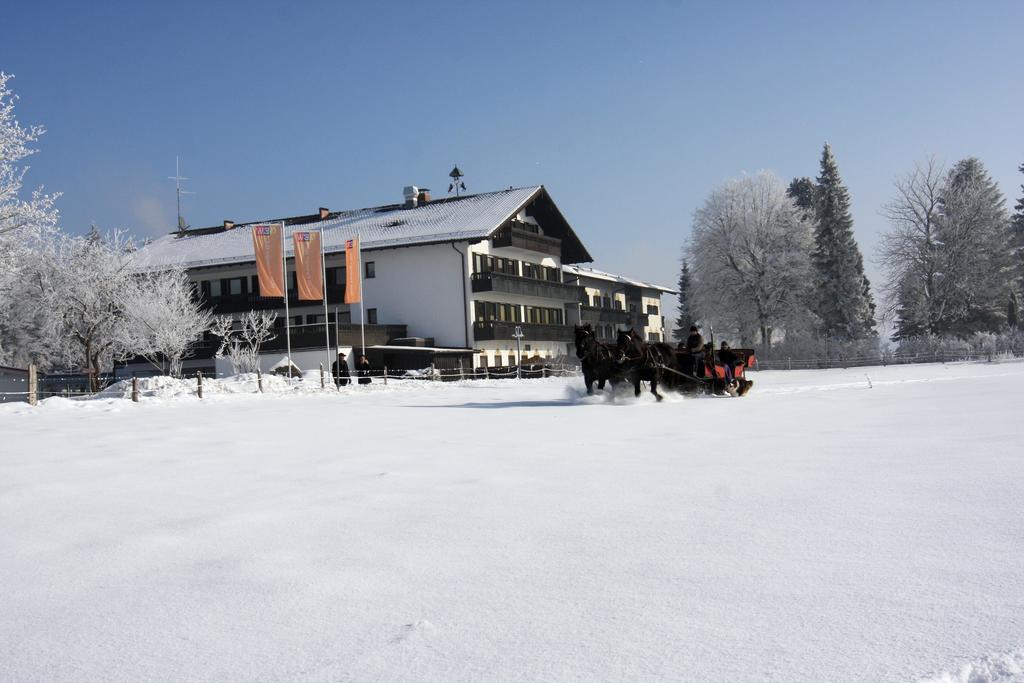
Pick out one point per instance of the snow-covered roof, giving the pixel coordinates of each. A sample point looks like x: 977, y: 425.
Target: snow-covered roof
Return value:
x: 469, y: 217
x: 612, y: 277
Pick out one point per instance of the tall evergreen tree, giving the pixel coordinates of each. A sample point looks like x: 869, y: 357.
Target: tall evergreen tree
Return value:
x: 977, y: 266
x: 844, y: 302
x: 1018, y: 236
x: 686, y: 317
x: 804, y: 193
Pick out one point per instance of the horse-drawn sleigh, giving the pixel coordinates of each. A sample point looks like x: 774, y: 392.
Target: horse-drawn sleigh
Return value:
x: 635, y: 361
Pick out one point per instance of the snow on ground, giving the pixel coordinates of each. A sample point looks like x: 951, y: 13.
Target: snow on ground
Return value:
x: 840, y: 525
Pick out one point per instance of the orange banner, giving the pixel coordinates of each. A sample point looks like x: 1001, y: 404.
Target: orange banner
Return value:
x: 309, y: 274
x: 266, y: 241
x: 353, y: 292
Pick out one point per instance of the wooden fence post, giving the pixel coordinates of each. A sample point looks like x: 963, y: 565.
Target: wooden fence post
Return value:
x: 432, y: 378
x: 323, y: 383
x: 33, y: 385
x: 259, y: 380
x: 135, y: 389
x: 385, y: 375
x: 199, y: 385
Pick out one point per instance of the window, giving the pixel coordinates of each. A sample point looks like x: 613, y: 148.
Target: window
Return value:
x: 214, y: 286
x: 652, y: 309
x: 371, y: 269
x: 483, y: 360
x: 314, y: 319
x: 235, y: 286
x: 597, y: 301
x: 632, y: 308
x: 371, y: 316
x: 607, y: 302
x: 618, y: 305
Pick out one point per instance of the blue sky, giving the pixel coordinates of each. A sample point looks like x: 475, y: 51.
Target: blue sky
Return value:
x: 630, y: 113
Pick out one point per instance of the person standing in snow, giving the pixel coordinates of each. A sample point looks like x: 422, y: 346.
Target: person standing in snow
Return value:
x: 363, y: 370
x: 340, y: 370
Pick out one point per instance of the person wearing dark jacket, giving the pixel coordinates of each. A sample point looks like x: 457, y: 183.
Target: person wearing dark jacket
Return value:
x: 340, y: 371
x: 728, y: 358
x: 363, y: 370
x: 695, y: 347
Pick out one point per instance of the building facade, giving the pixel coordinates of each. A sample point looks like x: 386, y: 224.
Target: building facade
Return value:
x: 454, y: 273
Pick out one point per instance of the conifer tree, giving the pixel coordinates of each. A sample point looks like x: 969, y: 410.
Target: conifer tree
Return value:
x: 803, y: 192
x: 686, y: 317
x: 844, y: 302
x: 1018, y: 236
x: 977, y: 266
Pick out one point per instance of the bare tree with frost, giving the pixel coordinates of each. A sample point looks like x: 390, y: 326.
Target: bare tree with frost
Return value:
x: 24, y: 224
x: 242, y: 344
x: 81, y: 284
x: 750, y: 254
x: 165, y: 318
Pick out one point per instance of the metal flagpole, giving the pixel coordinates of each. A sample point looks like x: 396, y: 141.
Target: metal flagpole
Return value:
x: 337, y: 343
x: 362, y: 299
x: 287, y: 316
x: 327, y: 330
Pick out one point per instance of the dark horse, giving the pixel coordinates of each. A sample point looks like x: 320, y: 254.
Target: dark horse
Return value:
x: 596, y: 359
x: 643, y: 362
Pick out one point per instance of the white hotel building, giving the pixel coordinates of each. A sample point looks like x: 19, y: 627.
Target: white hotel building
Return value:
x: 453, y: 277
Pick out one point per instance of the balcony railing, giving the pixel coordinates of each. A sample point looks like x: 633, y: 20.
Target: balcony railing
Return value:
x: 498, y: 329
x: 234, y: 303
x: 614, y: 316
x: 524, y: 286
x: 519, y: 238
x: 312, y: 337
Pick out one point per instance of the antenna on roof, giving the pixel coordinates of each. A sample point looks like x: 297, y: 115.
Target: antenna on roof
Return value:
x: 456, y: 184
x: 177, y: 178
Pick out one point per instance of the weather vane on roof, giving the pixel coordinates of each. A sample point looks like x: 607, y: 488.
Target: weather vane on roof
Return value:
x: 456, y: 184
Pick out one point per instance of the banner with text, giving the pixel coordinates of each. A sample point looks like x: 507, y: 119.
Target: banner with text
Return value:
x: 309, y: 274
x: 353, y: 293
x: 266, y: 241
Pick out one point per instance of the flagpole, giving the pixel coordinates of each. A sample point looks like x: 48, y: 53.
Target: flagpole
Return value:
x: 327, y: 330
x: 362, y: 298
x: 287, y: 316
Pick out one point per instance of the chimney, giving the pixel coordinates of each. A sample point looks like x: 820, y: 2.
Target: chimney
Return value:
x: 229, y: 225
x: 412, y: 195
x: 324, y: 213
x: 424, y: 195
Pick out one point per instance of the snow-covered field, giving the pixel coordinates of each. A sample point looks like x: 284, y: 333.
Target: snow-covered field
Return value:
x: 817, y: 530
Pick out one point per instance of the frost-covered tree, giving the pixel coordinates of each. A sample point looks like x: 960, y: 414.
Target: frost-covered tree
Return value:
x: 242, y: 344
x: 750, y: 253
x: 1018, y: 236
x: 81, y: 284
x: 25, y: 223
x: 910, y: 252
x: 976, y: 266
x: 947, y: 255
x: 684, y: 309
x: 803, y: 192
x: 165, y: 318
x: 843, y: 294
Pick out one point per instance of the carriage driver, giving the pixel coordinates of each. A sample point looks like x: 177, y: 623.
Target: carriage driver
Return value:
x: 694, y: 347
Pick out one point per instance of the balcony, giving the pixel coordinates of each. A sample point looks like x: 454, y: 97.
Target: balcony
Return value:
x: 235, y: 303
x: 521, y: 238
x: 605, y: 316
x: 312, y: 337
x: 524, y: 286
x: 501, y: 330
